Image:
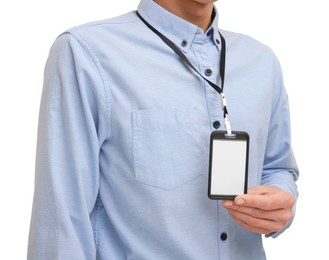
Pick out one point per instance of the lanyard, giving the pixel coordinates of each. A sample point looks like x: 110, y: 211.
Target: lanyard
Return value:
x: 189, y: 64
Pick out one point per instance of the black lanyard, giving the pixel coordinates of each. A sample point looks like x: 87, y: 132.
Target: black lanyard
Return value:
x: 189, y: 64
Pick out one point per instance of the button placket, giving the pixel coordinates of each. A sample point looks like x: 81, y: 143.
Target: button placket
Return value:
x: 209, y: 67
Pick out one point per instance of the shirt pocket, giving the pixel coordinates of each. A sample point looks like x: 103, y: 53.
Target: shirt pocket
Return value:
x: 166, y: 146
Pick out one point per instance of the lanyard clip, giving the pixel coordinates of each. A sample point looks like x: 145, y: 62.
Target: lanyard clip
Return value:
x: 226, y: 120
x: 228, y: 126
x: 224, y: 102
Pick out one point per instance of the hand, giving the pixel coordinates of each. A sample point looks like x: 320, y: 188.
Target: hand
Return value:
x: 265, y: 209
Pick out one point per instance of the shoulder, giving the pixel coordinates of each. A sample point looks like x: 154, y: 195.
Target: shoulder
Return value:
x: 246, y: 50
x: 99, y: 35
x: 101, y: 29
x: 113, y: 22
x: 248, y: 45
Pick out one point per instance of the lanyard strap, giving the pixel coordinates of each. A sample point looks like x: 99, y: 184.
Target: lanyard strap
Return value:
x: 189, y: 64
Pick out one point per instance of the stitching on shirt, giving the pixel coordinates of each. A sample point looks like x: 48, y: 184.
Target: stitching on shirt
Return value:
x: 95, y: 224
x: 204, y: 87
x: 107, y: 91
x: 218, y: 247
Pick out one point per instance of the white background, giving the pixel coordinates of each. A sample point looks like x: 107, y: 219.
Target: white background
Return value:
x: 297, y: 31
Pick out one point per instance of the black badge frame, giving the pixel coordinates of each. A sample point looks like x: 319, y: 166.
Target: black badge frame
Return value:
x: 228, y: 165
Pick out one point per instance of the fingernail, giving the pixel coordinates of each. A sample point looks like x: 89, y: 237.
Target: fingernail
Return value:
x: 240, y: 201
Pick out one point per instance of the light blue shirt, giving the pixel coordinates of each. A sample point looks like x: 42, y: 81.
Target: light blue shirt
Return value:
x: 123, y: 142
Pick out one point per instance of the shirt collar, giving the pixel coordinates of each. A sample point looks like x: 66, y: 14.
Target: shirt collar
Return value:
x: 179, y: 31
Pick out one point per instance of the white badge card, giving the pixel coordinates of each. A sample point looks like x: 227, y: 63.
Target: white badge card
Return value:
x: 228, y: 165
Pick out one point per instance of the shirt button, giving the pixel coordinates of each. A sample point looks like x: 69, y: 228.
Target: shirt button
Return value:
x: 216, y: 124
x: 208, y: 72
x: 184, y: 43
x: 223, y: 236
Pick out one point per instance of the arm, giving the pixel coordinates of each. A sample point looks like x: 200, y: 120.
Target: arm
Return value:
x: 269, y: 208
x: 71, y: 131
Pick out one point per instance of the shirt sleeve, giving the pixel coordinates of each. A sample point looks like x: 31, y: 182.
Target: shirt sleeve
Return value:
x: 280, y: 167
x: 72, y: 128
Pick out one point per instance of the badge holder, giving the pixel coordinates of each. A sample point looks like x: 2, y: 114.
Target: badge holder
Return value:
x: 228, y: 165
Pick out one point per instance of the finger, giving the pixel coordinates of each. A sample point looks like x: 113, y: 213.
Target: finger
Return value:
x: 266, y: 198
x: 246, y: 226
x: 279, y: 215
x: 239, y: 200
x: 257, y: 201
x: 250, y: 202
x: 252, y: 223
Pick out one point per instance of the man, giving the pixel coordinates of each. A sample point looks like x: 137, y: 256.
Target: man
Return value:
x: 123, y: 144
